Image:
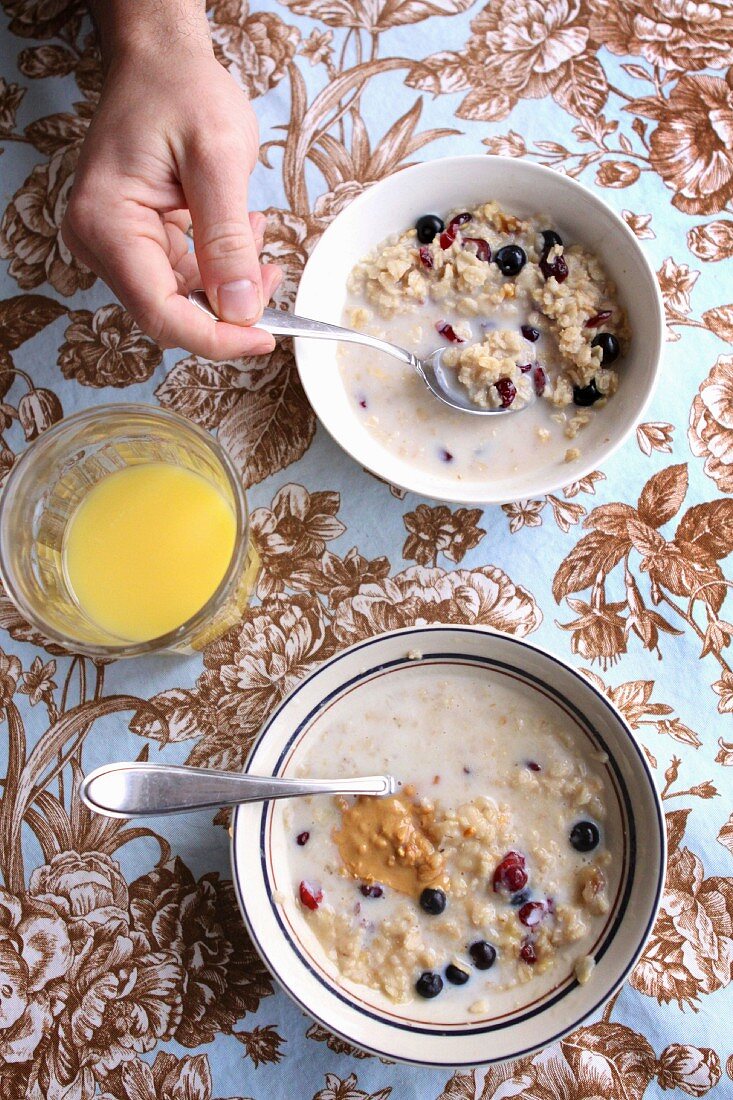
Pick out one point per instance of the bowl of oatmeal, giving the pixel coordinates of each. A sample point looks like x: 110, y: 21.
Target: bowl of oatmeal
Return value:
x: 542, y: 298
x: 500, y: 896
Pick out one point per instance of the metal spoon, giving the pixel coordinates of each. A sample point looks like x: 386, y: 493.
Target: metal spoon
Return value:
x: 441, y: 381
x: 146, y: 790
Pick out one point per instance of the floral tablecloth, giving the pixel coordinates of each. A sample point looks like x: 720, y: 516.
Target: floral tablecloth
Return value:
x: 124, y: 968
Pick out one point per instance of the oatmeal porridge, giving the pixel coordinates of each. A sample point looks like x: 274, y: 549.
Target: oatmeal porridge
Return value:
x: 529, y: 321
x: 489, y: 877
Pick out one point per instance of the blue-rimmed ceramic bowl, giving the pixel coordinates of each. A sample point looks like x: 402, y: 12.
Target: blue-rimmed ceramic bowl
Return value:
x: 418, y: 1032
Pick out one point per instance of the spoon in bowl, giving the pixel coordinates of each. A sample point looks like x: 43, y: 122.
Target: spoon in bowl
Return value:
x: 146, y: 790
x: 441, y: 381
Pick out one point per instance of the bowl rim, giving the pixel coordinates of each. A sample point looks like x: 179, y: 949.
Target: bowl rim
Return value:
x: 434, y: 630
x: 421, y: 483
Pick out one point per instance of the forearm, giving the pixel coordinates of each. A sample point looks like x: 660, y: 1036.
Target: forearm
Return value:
x: 150, y: 27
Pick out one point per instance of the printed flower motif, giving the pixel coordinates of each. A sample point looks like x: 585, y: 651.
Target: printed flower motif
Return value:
x: 250, y: 669
x: 519, y: 49
x: 655, y: 435
x: 640, y: 224
x: 712, y: 241
x: 523, y: 513
x: 724, y: 688
x: 38, y: 683
x: 106, y: 348
x: 257, y: 46
x: 38, y: 410
x: 438, y: 530
x: 41, y: 18
x: 11, y: 96
x: 262, y: 1044
x: 506, y: 145
x: 200, y: 924
x: 600, y: 632
x: 35, y: 955
x: 169, y: 1078
x: 617, y: 173
x: 679, y: 35
x: 711, y: 423
x: 725, y: 753
x: 343, y: 577
x: 317, y: 47
x: 692, y: 147
x: 677, y: 730
x: 85, y: 889
x: 418, y: 595
x: 20, y: 630
x: 29, y: 232
x: 122, y: 1000
x: 689, y: 1068
x: 10, y: 669
x: 346, y: 1089
x: 675, y: 282
x: 288, y: 239
x: 691, y: 949
x: 291, y: 537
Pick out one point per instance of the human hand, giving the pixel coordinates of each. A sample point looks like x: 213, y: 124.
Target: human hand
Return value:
x: 173, y: 143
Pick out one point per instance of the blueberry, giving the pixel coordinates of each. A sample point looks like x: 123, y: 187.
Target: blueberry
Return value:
x: 428, y: 227
x: 510, y: 259
x: 586, y: 395
x: 483, y: 955
x: 428, y: 984
x: 520, y: 899
x: 550, y: 238
x: 530, y: 333
x: 609, y: 345
x: 432, y: 901
x: 585, y: 836
x: 455, y: 975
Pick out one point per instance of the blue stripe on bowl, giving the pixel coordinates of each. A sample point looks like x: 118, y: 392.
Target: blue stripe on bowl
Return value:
x: 628, y: 824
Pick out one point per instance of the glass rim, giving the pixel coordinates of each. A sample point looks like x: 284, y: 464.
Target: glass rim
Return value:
x: 180, y: 634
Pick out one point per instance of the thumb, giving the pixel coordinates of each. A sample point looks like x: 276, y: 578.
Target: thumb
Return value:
x: 215, y: 186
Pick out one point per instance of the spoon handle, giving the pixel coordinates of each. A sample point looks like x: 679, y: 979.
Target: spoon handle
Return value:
x: 142, y: 790
x: 279, y: 323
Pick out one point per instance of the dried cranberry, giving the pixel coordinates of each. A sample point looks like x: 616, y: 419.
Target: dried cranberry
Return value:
x: 530, y: 333
x: 527, y: 952
x: 483, y: 250
x: 510, y: 874
x: 460, y: 219
x: 302, y: 838
x: 310, y: 896
x: 540, y: 381
x: 446, y: 239
x: 363, y: 403
x: 558, y: 268
x: 507, y: 391
x: 531, y: 913
x: 445, y: 329
x: 534, y: 766
x: 446, y: 456
x: 598, y: 318
x: 426, y: 257
x: 524, y: 367
x: 371, y: 890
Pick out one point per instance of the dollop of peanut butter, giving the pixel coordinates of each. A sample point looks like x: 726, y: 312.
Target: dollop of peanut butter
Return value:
x: 388, y: 840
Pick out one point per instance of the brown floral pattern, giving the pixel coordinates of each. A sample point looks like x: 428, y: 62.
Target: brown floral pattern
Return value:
x: 106, y: 348
x: 107, y: 956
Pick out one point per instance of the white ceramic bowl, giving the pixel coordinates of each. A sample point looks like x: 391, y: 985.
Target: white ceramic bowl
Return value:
x: 391, y: 206
x: 412, y: 1032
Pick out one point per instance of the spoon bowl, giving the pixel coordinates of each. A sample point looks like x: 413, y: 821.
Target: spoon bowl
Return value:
x: 441, y: 381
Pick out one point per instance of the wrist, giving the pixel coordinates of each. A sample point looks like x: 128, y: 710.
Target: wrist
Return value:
x: 149, y: 29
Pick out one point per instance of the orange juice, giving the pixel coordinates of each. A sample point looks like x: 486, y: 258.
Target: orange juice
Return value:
x: 146, y: 548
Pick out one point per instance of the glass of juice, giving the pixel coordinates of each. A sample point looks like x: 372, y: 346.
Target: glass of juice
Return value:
x: 124, y: 530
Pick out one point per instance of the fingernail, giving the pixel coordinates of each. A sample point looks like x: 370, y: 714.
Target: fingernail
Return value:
x: 239, y: 302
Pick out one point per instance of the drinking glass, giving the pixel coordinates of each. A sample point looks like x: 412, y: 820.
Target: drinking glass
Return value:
x: 52, y: 477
